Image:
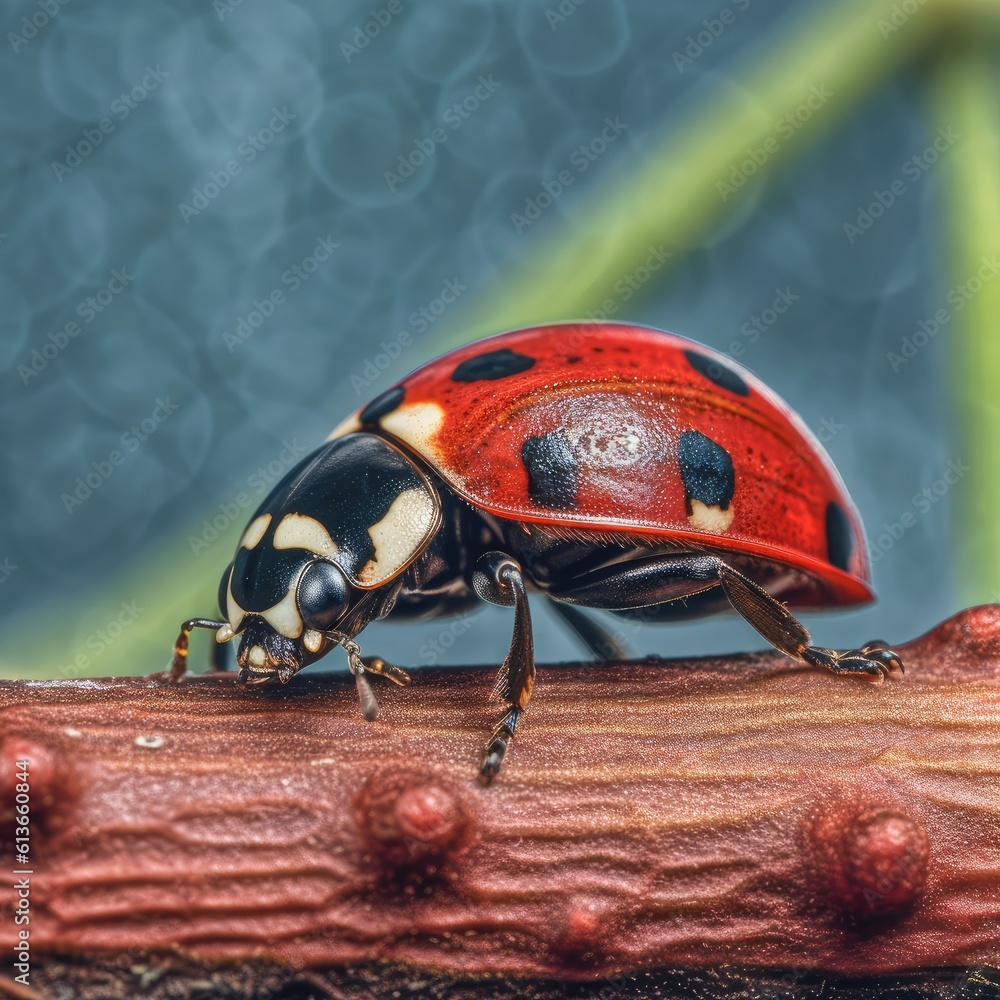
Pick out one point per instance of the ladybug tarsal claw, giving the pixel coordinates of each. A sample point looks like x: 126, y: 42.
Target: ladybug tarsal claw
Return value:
x: 874, y: 660
x: 879, y: 650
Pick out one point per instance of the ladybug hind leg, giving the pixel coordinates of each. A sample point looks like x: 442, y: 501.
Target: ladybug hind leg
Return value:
x: 776, y: 624
x: 600, y: 643
x: 675, y: 579
x: 497, y: 579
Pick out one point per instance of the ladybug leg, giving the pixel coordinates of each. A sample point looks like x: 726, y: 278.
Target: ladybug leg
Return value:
x: 776, y: 624
x: 380, y: 668
x: 601, y: 644
x: 497, y: 579
x: 178, y: 665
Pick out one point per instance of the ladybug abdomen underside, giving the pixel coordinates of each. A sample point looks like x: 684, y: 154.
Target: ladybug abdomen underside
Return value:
x: 627, y: 429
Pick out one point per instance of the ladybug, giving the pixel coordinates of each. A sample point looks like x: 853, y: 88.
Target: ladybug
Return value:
x: 601, y: 465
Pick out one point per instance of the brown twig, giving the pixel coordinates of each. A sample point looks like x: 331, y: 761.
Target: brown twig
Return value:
x: 683, y: 814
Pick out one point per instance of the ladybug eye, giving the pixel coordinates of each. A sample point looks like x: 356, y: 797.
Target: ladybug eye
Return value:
x: 322, y: 595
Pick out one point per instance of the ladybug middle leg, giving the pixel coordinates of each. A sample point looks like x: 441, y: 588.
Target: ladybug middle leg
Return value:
x: 674, y: 578
x: 497, y: 579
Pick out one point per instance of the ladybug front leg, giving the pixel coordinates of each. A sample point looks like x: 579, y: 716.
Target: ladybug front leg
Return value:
x: 497, y: 579
x: 782, y: 629
x: 178, y: 664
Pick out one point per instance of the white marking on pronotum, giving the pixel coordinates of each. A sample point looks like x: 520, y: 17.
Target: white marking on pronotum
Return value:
x: 233, y: 611
x: 224, y: 634
x: 417, y: 424
x: 298, y: 531
x: 398, y: 536
x: 713, y: 519
x: 312, y: 640
x: 347, y: 426
x: 255, y: 531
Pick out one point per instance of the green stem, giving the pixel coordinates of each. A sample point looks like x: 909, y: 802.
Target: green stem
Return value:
x: 967, y: 98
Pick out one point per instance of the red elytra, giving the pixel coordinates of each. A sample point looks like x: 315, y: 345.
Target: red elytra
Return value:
x: 623, y: 395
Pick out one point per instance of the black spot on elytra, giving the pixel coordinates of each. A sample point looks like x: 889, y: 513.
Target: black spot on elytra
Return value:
x: 382, y: 404
x: 706, y: 470
x: 717, y: 372
x: 552, y: 470
x: 491, y: 366
x: 839, y: 536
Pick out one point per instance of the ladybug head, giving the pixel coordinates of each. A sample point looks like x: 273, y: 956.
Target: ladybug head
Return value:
x: 324, y: 555
x: 266, y: 655
x: 279, y: 640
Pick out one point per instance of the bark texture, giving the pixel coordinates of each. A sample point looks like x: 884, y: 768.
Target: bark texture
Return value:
x: 649, y: 815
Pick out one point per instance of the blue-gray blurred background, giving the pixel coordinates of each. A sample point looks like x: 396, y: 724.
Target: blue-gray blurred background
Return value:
x: 239, y: 137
